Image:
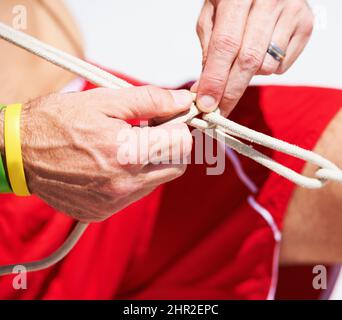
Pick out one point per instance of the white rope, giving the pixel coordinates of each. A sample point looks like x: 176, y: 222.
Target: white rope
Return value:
x: 55, y: 257
x: 328, y: 171
x: 223, y: 130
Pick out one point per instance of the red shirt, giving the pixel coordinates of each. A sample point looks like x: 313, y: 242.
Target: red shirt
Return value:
x: 198, y: 237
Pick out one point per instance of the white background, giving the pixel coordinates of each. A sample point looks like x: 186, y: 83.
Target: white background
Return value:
x: 155, y: 41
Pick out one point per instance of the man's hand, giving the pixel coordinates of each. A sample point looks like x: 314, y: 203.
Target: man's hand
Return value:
x: 71, y: 145
x: 235, y: 36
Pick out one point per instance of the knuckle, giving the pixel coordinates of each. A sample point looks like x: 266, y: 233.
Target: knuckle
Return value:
x: 213, y: 84
x: 250, y: 59
x: 230, y: 98
x: 161, y: 101
x: 152, y: 94
x: 125, y: 187
x: 308, y: 23
x: 226, y: 45
x: 295, y: 6
x: 199, y: 29
x: 269, y: 68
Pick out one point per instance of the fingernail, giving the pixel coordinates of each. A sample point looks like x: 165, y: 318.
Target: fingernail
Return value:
x: 207, y: 103
x: 183, y: 98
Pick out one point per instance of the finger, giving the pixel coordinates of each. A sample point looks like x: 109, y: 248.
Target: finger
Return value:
x: 259, y: 30
x: 283, y: 32
x: 194, y: 87
x: 138, y: 147
x: 230, y: 20
x: 158, y: 174
x: 298, y: 42
x: 205, y: 27
x: 140, y: 102
x: 169, y: 143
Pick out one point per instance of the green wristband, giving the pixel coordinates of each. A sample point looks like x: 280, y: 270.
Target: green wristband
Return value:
x: 4, y: 185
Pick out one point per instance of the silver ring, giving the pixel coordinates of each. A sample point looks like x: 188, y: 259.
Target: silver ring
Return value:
x: 276, y: 52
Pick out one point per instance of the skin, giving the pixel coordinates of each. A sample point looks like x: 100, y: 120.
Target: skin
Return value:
x: 313, y: 221
x: 16, y: 78
x: 70, y: 141
x: 235, y: 35
x: 71, y: 144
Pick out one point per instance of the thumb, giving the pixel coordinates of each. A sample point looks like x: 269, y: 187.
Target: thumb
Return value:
x: 144, y: 102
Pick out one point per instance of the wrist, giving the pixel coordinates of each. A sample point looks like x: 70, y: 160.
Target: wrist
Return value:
x: 2, y: 144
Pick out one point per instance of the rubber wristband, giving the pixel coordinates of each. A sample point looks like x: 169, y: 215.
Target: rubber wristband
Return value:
x: 4, y: 185
x: 14, y: 160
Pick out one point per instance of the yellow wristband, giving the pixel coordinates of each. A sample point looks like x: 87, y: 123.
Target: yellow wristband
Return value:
x: 14, y: 160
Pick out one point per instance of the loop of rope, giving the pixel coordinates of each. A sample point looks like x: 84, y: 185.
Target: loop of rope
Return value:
x: 327, y: 171
x: 222, y: 129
